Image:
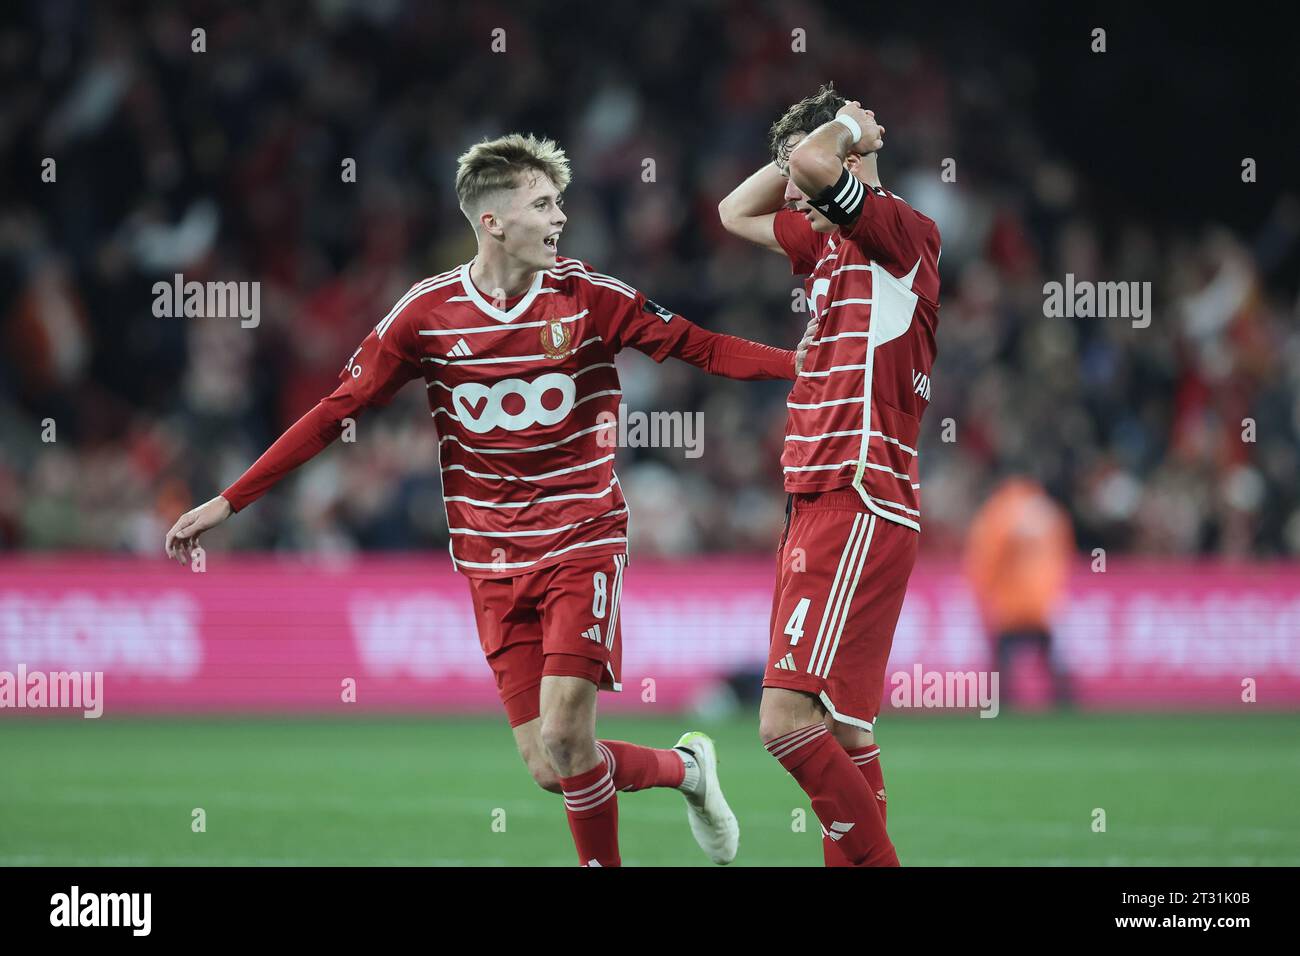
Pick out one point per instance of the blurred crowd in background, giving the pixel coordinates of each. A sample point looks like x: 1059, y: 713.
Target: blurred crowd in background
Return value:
x: 226, y: 165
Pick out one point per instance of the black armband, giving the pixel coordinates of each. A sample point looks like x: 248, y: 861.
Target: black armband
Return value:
x: 842, y: 202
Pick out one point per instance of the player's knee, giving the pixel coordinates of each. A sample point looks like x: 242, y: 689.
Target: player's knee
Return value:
x: 544, y: 774
x: 848, y: 736
x: 539, y: 765
x: 781, y: 713
x: 776, y: 723
x: 564, y: 740
x: 771, y: 726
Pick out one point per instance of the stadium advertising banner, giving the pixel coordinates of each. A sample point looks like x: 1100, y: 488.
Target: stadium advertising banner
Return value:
x: 397, y: 634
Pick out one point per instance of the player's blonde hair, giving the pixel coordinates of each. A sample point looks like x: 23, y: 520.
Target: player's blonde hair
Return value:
x: 495, y: 164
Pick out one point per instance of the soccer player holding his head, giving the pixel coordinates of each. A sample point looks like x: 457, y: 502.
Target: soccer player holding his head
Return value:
x: 515, y: 349
x: 850, y: 457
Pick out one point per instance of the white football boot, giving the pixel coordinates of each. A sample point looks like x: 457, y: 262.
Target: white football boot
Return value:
x: 712, y: 823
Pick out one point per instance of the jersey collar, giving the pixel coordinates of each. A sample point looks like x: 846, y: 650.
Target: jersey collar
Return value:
x: 487, y: 308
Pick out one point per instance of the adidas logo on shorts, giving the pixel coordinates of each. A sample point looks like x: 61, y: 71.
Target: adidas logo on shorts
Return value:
x: 592, y: 633
x: 786, y: 663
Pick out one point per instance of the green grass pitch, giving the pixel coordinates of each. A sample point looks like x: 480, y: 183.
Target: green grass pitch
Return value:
x: 1186, y: 789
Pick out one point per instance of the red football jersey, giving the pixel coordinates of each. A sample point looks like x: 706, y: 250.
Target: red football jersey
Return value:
x: 517, y: 396
x: 855, y: 409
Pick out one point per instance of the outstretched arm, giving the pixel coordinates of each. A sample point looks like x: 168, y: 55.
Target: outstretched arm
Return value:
x: 302, y: 441
x: 386, y: 360
x: 749, y: 211
x: 628, y: 319
x: 733, y: 357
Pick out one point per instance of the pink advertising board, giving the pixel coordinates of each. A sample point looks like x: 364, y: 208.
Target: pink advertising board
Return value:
x: 263, y: 634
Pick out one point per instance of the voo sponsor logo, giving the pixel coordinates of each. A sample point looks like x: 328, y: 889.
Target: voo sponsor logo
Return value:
x: 513, y: 403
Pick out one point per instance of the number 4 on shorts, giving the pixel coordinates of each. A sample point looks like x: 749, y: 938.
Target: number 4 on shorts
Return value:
x: 794, y: 626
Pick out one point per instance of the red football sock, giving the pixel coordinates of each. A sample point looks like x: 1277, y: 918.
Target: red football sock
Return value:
x: 839, y: 793
x: 592, y: 806
x: 868, y: 762
x: 640, y: 768
x: 874, y: 775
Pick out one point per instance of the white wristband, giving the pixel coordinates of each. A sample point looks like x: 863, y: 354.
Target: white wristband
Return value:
x: 852, y: 126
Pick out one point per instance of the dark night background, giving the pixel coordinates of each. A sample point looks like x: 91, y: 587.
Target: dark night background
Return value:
x: 1121, y: 166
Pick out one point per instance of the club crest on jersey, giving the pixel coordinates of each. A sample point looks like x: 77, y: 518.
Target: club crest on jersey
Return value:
x: 556, y: 337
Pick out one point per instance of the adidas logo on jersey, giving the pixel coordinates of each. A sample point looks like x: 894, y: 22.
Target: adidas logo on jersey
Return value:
x: 461, y: 349
x: 786, y: 663
x: 921, y: 384
x: 592, y: 633
x: 837, y: 830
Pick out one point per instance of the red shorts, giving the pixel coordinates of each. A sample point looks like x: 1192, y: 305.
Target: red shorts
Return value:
x: 560, y: 621
x: 841, y: 577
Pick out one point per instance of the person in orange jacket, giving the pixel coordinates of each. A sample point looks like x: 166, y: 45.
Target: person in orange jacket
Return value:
x: 1018, y: 562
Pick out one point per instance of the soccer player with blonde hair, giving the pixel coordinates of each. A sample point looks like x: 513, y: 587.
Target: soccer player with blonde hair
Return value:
x: 515, y: 349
